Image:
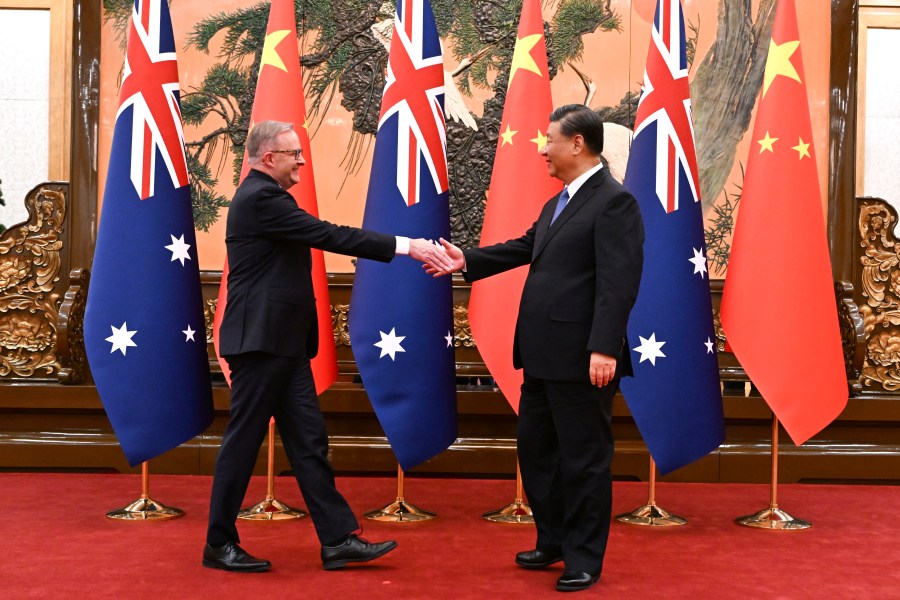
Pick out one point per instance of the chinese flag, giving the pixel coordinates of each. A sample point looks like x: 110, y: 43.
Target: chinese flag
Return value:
x: 778, y: 308
x: 520, y: 185
x: 279, y: 97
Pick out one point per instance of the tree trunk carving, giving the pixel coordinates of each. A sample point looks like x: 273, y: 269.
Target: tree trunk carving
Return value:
x: 725, y: 88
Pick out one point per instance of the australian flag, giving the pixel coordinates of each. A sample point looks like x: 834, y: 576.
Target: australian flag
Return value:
x: 144, y: 329
x: 401, y: 319
x: 674, y: 395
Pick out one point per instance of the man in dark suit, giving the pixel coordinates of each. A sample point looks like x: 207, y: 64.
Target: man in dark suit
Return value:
x: 586, y: 255
x: 268, y: 335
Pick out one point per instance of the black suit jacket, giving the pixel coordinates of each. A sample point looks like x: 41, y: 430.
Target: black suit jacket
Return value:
x: 271, y: 305
x: 581, y: 285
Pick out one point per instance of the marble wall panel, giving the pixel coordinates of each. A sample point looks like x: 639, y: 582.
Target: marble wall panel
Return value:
x: 24, y: 105
x: 882, y: 140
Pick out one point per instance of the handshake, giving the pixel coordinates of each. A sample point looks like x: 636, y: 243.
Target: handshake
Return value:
x: 438, y: 259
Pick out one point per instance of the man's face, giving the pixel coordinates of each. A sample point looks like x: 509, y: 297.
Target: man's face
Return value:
x: 558, y: 152
x: 285, y: 167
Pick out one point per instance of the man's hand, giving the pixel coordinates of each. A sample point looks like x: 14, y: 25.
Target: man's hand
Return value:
x: 602, y: 369
x: 431, y: 254
x: 455, y: 261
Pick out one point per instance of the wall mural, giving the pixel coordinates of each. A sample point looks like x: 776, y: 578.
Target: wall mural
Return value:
x: 344, y: 57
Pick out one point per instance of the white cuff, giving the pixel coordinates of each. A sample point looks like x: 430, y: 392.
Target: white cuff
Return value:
x: 402, y: 246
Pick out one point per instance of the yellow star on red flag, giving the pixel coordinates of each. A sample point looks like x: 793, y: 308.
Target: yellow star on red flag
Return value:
x: 779, y: 63
x: 767, y: 143
x: 802, y: 149
x: 540, y: 140
x: 522, y: 58
x: 508, y: 135
x: 270, y: 55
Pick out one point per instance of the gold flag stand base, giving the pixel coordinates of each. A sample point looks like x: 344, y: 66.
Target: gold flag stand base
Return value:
x: 517, y: 512
x: 399, y: 511
x: 271, y: 509
x: 650, y: 514
x: 773, y: 518
x: 145, y: 508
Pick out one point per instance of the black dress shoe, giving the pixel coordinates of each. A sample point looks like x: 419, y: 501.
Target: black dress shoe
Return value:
x: 232, y: 557
x: 575, y: 581
x: 537, y: 559
x: 353, y: 549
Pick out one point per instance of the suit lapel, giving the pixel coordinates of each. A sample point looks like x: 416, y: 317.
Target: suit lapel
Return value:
x: 543, y: 224
x: 545, y: 231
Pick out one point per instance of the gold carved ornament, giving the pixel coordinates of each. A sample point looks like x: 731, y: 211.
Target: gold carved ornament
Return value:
x: 462, y: 335
x: 340, y: 318
x: 29, y: 269
x: 209, y: 317
x: 70, y: 331
x: 880, y: 289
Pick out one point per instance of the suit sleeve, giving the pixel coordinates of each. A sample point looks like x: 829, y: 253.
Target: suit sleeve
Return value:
x: 490, y: 260
x: 280, y: 218
x: 619, y: 259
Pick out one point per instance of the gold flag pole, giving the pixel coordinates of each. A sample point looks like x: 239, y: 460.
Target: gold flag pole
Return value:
x: 145, y: 508
x: 399, y: 511
x: 651, y: 514
x: 773, y: 517
x: 517, y: 511
x: 271, y: 509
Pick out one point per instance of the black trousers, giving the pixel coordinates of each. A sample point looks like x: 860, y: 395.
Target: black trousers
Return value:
x: 262, y: 386
x: 565, y: 449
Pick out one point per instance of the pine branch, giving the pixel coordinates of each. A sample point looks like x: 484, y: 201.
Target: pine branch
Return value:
x: 719, y: 234
x: 118, y: 11
x: 205, y: 203
x: 690, y: 44
x: 574, y: 19
x: 249, y: 21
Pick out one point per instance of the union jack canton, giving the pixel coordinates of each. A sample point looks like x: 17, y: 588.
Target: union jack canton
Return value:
x: 150, y: 87
x: 666, y: 102
x: 414, y: 91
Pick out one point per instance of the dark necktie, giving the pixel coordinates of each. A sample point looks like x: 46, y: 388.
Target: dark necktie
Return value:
x: 560, y: 204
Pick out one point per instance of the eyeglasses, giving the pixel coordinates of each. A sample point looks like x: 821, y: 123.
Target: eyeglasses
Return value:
x: 298, y: 152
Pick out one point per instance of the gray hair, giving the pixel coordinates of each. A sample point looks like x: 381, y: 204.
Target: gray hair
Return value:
x: 261, y: 137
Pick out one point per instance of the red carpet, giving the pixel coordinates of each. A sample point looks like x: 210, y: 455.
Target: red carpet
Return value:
x: 57, y: 544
